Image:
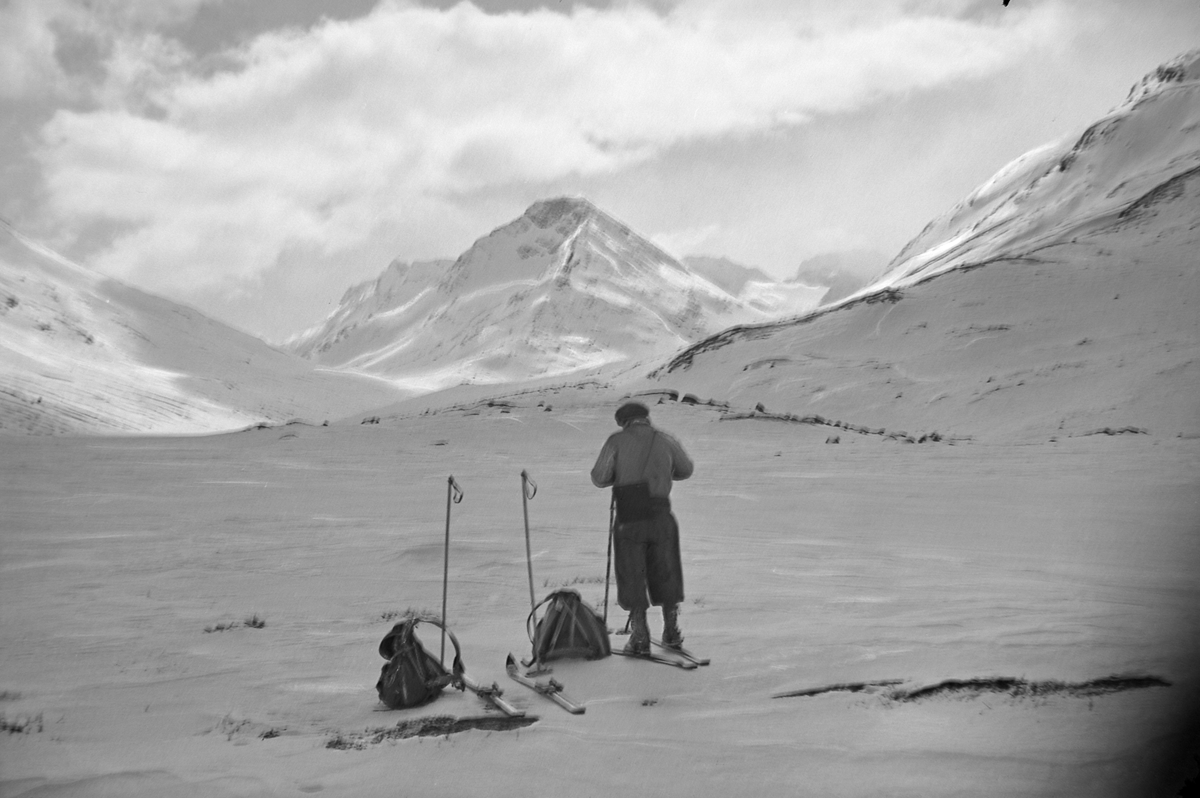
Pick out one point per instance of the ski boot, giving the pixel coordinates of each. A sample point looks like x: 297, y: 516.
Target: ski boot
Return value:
x: 639, y: 638
x: 672, y: 637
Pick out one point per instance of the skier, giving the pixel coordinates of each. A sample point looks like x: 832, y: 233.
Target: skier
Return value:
x: 645, y: 551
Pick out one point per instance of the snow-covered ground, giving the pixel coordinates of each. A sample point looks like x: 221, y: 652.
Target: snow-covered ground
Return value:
x: 808, y: 565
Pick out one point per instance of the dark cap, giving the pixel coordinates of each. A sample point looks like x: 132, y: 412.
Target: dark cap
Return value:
x: 631, y: 410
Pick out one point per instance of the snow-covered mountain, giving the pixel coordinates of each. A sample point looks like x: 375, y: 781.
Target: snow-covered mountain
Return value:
x: 1060, y: 298
x: 82, y: 353
x: 563, y: 288
x: 1141, y: 153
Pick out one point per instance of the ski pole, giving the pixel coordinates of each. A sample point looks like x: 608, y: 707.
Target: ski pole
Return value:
x: 528, y: 491
x: 453, y: 494
x: 612, y: 520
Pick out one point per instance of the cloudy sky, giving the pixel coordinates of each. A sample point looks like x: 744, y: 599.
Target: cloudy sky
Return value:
x: 254, y: 158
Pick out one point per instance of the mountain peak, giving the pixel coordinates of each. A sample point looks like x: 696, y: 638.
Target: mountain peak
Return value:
x: 549, y: 212
x: 1180, y: 69
x: 563, y: 287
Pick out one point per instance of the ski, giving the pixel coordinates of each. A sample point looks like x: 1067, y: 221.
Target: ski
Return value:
x: 551, y: 689
x: 684, y: 664
x: 491, y: 695
x: 683, y: 652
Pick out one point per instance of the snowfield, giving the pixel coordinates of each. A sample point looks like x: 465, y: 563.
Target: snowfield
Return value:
x: 131, y: 567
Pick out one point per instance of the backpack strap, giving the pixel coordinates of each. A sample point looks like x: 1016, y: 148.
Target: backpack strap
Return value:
x: 456, y: 667
x: 406, y: 629
x: 530, y: 626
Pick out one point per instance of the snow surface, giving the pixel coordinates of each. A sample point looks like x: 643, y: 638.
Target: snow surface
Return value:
x: 807, y: 565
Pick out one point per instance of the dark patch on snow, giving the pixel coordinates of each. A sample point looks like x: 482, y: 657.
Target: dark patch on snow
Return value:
x: 848, y: 687
x: 22, y: 724
x: 974, y: 688
x: 976, y: 329
x: 432, y: 726
x: 1113, y: 431
x: 1022, y: 688
x: 661, y: 394
x: 815, y: 420
x: 253, y: 622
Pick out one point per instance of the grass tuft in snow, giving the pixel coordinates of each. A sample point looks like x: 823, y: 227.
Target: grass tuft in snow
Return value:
x: 254, y: 622
x: 396, y: 615
x: 21, y: 724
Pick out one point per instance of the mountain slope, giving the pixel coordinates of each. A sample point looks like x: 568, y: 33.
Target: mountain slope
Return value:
x: 563, y: 288
x: 1060, y: 298
x: 83, y: 353
x: 1072, y: 186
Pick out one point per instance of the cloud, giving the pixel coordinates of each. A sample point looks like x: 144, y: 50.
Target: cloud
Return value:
x: 27, y: 44
x: 316, y: 139
x: 686, y: 241
x: 44, y: 44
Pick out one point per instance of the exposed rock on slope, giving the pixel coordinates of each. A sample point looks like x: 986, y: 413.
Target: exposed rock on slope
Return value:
x: 1062, y: 297
x: 83, y: 353
x: 563, y: 288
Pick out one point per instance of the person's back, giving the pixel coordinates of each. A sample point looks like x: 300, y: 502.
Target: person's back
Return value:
x: 645, y: 551
x: 624, y: 453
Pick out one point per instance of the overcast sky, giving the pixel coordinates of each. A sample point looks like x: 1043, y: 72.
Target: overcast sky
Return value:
x: 254, y: 158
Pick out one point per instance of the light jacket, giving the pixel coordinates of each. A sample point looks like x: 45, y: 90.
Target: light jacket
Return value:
x: 622, y: 455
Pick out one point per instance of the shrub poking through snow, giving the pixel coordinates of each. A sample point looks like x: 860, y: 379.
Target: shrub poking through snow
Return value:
x: 254, y: 622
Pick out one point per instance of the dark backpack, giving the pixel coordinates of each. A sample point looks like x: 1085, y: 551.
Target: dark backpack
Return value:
x: 569, y: 628
x: 413, y: 676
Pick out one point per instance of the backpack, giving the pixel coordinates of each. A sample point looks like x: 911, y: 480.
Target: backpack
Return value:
x: 570, y: 628
x: 413, y: 676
